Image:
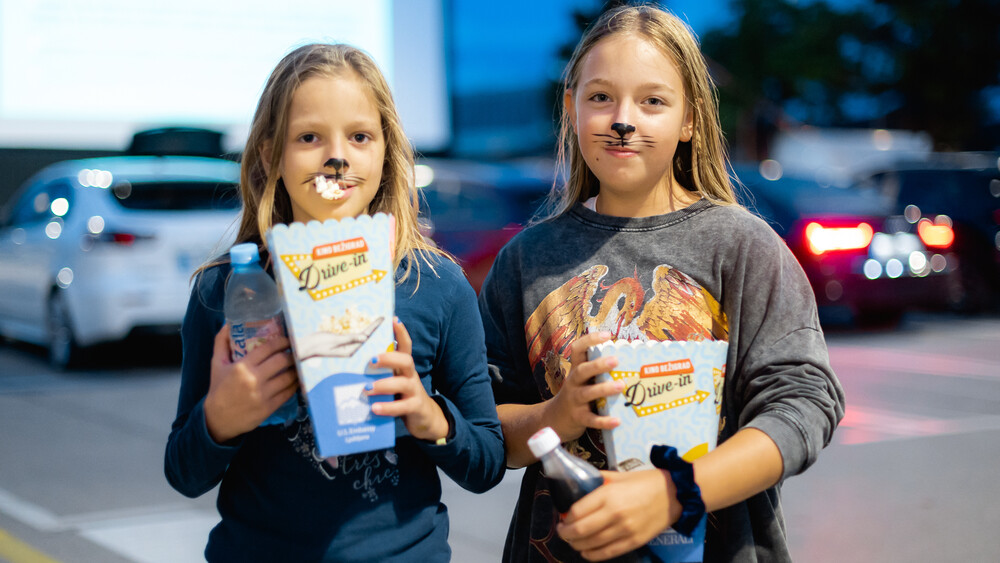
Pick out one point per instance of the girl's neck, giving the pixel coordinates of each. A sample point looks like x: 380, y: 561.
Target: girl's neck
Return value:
x: 658, y: 201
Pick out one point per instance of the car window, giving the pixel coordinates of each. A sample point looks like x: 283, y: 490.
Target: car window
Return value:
x: 176, y: 195
x: 958, y: 193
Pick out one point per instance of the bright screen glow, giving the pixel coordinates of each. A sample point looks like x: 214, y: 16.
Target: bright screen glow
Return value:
x: 89, y: 74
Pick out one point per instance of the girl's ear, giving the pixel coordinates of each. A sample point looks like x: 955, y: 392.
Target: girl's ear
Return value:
x: 569, y: 109
x: 265, y: 155
x: 687, y: 129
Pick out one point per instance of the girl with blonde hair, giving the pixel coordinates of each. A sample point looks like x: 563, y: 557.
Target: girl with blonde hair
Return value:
x: 645, y: 242
x: 326, y: 142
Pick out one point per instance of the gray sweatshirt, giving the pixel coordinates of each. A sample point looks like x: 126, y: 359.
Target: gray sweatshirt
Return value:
x: 704, y: 272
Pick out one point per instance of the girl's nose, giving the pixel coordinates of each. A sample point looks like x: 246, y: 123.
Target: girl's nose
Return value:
x: 338, y: 164
x: 622, y: 119
x: 622, y: 129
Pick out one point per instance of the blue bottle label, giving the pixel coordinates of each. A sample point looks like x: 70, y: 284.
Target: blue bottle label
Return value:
x: 244, y: 337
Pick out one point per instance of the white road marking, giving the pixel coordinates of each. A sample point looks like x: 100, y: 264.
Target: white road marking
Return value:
x: 153, y: 534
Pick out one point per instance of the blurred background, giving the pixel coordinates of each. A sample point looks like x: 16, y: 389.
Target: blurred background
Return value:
x: 866, y: 132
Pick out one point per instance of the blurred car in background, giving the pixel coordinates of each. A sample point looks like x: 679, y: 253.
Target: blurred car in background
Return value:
x: 92, y: 250
x: 471, y: 209
x: 960, y: 190
x: 866, y: 264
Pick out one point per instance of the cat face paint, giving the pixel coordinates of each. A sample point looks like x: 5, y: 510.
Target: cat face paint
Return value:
x: 621, y: 137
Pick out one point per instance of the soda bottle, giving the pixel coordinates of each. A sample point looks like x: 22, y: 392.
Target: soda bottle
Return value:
x: 253, y: 310
x: 570, y: 479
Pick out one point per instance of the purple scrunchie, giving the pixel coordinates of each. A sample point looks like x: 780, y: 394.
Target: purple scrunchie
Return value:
x: 688, y: 492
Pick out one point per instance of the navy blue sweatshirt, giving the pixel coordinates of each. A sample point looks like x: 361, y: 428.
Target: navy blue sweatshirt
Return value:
x: 280, y: 501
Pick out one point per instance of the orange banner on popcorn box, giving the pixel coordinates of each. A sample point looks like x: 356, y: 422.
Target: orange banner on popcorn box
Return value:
x: 344, y: 247
x: 667, y: 368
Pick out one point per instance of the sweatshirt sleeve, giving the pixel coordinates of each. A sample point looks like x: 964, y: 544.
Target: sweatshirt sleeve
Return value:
x: 784, y: 384
x: 474, y: 456
x: 193, y: 462
x: 500, y: 304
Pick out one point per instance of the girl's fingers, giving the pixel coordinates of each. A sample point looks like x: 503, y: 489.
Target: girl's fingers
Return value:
x: 275, y: 364
x: 401, y: 363
x: 601, y: 422
x: 578, y: 350
x: 267, y: 349
x: 608, y: 551
x: 602, y: 390
x: 396, y: 385
x: 280, y: 382
x: 403, y: 342
x: 220, y: 349
x: 397, y: 408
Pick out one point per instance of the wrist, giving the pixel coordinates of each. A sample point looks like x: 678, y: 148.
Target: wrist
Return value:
x: 442, y: 428
x: 562, y: 424
x: 217, y: 433
x: 690, y: 508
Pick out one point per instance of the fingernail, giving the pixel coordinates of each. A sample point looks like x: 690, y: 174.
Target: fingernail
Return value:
x: 395, y: 320
x: 369, y: 386
x: 375, y: 360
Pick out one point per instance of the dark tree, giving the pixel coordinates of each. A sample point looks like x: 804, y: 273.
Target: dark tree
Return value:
x: 926, y: 65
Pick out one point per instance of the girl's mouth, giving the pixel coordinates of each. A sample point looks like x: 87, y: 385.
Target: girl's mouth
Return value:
x: 620, y: 152
x: 330, y: 189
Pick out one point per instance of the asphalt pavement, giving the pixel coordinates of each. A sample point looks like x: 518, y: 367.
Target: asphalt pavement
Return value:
x: 911, y: 475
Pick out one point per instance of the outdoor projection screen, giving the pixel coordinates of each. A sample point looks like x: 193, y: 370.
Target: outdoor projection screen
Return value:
x: 89, y: 74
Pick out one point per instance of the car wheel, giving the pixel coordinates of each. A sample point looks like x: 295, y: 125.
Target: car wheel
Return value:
x: 64, y: 352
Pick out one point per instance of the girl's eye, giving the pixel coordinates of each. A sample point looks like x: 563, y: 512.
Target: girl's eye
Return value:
x: 599, y: 98
x: 655, y: 102
x: 360, y: 137
x: 307, y: 138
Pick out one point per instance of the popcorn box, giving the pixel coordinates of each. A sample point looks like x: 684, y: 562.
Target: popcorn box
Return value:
x: 672, y: 397
x: 336, y: 282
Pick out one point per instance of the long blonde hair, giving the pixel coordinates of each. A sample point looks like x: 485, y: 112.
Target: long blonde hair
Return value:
x: 700, y: 165
x: 265, y: 205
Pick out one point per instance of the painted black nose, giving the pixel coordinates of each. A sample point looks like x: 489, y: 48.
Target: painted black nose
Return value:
x: 336, y: 163
x: 622, y: 128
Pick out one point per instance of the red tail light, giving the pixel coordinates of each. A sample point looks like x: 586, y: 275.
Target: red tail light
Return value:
x: 934, y: 235
x: 120, y: 238
x: 826, y: 239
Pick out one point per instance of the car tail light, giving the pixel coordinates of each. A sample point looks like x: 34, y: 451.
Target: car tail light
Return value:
x: 938, y: 235
x: 823, y: 239
x: 120, y: 238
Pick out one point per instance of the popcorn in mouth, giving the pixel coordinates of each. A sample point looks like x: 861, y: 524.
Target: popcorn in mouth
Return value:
x: 329, y: 190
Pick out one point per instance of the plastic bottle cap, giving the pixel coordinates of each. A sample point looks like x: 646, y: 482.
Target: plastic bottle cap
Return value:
x: 543, y: 441
x: 245, y: 253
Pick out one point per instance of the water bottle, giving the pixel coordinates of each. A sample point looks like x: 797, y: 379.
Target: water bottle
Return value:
x: 570, y: 479
x: 253, y: 310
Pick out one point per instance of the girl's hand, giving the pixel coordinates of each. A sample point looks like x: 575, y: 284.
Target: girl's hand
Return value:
x: 624, y: 513
x: 421, y: 414
x: 243, y: 394
x: 570, y: 412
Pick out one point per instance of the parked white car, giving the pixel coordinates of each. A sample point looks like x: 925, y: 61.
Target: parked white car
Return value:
x: 92, y: 250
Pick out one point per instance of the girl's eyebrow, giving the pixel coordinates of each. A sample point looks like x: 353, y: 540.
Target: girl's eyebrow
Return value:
x: 311, y: 122
x: 646, y: 86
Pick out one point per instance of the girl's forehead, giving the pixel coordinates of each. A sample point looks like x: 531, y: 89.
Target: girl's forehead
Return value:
x: 627, y: 56
x: 346, y: 87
